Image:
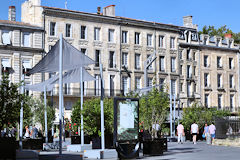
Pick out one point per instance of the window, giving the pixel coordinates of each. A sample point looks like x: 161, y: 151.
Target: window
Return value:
x: 84, y: 50
x: 150, y: 67
x: 162, y: 64
x: 26, y: 64
x: 112, y: 85
x: 173, y: 84
x: 229, y: 44
x: 188, y: 89
x: 137, y: 38
x: 68, y: 30
x: 161, y: 41
x: 231, y: 81
x: 137, y: 82
x: 6, y: 65
x: 194, y: 87
x: 68, y: 105
x: 137, y: 61
x: 150, y: 82
x: 6, y: 37
x: 206, y: 80
x: 205, y: 40
x: 173, y: 64
x: 219, y: 101
x: 188, y: 54
x: 111, y: 35
x: 181, y: 87
x: 217, y: 42
x: 83, y: 32
x: 161, y: 83
x: 180, y: 55
x: 189, y: 71
x: 172, y: 43
x: 124, y: 36
x: 181, y: 69
x: 125, y: 59
x: 149, y: 39
x: 194, y: 56
x: 97, y: 58
x: 125, y: 85
x: 206, y: 100
x: 219, y: 80
x: 206, y: 61
x: 231, y: 102
x: 230, y: 63
x: 97, y: 90
x: 26, y: 39
x: 52, y: 28
x: 97, y: 34
x: 219, y: 62
x: 112, y: 59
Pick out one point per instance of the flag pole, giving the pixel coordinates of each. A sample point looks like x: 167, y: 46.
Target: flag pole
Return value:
x: 102, y: 109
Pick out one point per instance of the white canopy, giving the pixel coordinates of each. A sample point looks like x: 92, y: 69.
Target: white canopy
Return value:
x: 72, y: 58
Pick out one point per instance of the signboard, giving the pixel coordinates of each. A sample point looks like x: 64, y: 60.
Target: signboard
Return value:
x: 126, y: 119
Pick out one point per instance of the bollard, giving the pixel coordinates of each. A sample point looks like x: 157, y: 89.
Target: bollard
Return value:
x: 101, y: 154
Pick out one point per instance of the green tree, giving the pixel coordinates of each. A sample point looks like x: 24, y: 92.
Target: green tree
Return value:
x: 221, y: 31
x: 39, y: 116
x: 201, y: 115
x: 153, y: 110
x: 92, y: 115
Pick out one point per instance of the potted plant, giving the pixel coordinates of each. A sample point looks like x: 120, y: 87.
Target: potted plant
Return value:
x: 92, y: 120
x: 153, y: 112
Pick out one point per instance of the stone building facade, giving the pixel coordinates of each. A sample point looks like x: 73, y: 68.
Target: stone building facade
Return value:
x: 122, y: 45
x: 20, y: 48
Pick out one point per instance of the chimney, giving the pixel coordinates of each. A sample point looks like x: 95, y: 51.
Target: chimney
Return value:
x: 187, y: 21
x: 12, y: 13
x: 109, y: 11
x: 98, y: 10
x: 228, y: 35
x: 36, y: 2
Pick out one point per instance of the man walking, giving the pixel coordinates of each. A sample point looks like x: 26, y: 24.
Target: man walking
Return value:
x: 212, y: 130
x: 180, y: 132
x: 194, y: 132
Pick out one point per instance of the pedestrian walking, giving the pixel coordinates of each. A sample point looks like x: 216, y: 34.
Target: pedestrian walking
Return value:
x: 180, y: 132
x: 194, y: 132
x: 27, y: 134
x: 212, y: 130
x: 13, y: 131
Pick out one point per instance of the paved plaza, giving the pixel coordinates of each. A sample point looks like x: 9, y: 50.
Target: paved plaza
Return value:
x: 186, y: 151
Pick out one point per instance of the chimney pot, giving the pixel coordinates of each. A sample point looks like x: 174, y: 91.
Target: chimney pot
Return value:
x: 12, y: 13
x: 187, y: 21
x: 98, y: 10
x: 109, y: 11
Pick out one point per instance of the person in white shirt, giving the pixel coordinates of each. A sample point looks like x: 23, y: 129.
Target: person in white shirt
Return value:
x: 180, y: 132
x: 194, y: 132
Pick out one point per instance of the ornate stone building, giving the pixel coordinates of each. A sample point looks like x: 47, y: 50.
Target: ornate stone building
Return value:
x: 21, y: 47
x: 122, y: 45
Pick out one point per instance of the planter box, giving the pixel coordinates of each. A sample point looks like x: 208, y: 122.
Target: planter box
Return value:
x: 155, y: 147
x: 34, y: 144
x: 77, y: 140
x: 8, y: 148
x: 127, y: 151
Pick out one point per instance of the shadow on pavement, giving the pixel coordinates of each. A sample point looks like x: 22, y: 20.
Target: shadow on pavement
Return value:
x: 60, y: 157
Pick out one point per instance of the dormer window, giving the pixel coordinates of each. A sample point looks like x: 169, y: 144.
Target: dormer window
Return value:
x: 229, y: 44
x: 217, y: 42
x: 205, y: 40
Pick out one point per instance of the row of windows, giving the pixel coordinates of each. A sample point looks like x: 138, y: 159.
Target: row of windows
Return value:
x: 219, y: 80
x: 7, y: 38
x: 111, y: 33
x: 206, y: 62
x: 220, y: 101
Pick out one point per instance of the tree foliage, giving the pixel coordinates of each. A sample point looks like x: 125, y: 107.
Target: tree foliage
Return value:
x: 221, y: 31
x: 201, y: 115
x: 153, y: 110
x: 92, y: 115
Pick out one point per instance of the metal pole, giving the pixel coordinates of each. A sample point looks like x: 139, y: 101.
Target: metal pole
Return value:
x: 145, y: 75
x: 174, y: 114
x: 60, y: 91
x: 21, y: 116
x: 63, y: 121
x: 45, y: 114
x: 102, y: 109
x: 178, y: 110
x: 81, y: 81
x: 171, y: 108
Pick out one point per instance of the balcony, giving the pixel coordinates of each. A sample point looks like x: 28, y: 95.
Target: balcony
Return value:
x: 87, y: 92
x: 220, y: 88
x: 207, y: 87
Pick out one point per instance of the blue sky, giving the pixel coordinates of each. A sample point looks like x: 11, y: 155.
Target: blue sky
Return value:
x: 204, y: 12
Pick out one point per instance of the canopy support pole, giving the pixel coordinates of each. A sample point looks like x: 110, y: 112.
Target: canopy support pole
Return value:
x: 171, y: 108
x: 60, y: 91
x: 21, y: 116
x: 45, y: 113
x: 174, y: 114
x: 81, y: 81
x: 102, y: 108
